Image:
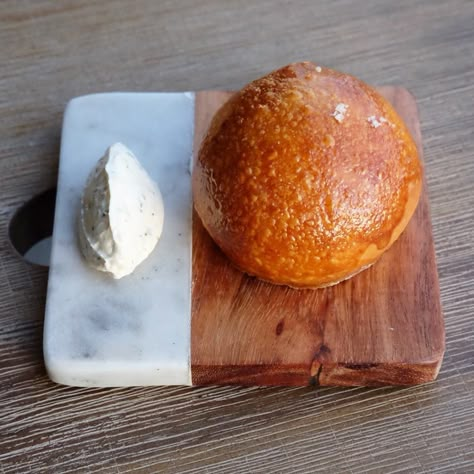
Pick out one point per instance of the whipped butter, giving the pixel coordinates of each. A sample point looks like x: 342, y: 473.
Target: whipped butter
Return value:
x: 122, y: 213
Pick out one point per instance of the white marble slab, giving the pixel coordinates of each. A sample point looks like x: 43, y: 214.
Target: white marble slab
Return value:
x: 134, y: 331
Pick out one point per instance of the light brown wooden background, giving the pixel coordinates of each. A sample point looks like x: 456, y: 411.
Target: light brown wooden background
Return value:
x: 51, y: 51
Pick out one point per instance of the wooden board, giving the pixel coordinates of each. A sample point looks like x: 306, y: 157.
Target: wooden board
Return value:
x: 382, y: 327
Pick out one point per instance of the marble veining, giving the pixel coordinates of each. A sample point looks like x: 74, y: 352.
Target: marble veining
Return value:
x: 134, y: 331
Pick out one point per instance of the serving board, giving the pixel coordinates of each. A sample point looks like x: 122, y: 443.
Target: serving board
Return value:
x: 382, y: 327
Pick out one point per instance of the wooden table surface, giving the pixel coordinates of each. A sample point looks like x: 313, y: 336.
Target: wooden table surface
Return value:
x: 52, y: 51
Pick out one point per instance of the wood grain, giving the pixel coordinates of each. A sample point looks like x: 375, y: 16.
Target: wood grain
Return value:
x: 381, y: 327
x: 51, y: 51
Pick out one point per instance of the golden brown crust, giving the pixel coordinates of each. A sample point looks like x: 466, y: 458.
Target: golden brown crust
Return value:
x: 306, y: 176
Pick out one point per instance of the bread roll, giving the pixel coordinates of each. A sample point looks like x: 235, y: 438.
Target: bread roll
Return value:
x: 306, y: 176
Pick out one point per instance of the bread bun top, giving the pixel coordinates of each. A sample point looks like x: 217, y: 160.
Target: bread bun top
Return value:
x: 306, y: 176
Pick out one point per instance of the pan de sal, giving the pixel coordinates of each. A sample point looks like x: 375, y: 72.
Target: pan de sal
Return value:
x: 306, y: 176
